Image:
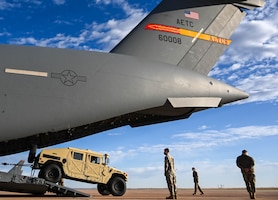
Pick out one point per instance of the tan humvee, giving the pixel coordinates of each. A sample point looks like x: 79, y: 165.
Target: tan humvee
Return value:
x: 81, y: 165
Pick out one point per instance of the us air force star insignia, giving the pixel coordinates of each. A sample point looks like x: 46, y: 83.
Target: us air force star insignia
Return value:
x: 69, y: 77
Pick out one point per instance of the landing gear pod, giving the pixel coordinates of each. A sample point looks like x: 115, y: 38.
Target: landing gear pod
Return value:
x: 32, y: 153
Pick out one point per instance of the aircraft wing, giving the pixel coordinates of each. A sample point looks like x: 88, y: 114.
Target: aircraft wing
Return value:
x: 192, y: 34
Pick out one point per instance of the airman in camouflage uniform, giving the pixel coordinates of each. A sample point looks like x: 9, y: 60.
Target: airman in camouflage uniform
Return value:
x: 196, y: 182
x: 169, y: 172
x: 246, y: 164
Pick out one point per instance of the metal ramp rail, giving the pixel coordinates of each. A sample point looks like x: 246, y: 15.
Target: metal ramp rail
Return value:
x: 64, y: 191
x: 14, y: 181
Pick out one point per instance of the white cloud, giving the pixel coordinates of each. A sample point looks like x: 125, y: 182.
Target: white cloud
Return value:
x: 218, y: 137
x: 203, y: 127
x: 106, y: 35
x: 4, y: 5
x: 106, y: 2
x: 251, y: 62
x: 261, y: 88
x: 195, y: 141
x: 112, y: 31
x: 60, y: 41
x: 5, y: 33
x: 256, y: 37
x: 59, y: 2
x: 252, y: 42
x: 143, y: 170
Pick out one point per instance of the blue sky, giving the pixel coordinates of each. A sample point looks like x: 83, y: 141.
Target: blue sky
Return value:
x: 209, y: 140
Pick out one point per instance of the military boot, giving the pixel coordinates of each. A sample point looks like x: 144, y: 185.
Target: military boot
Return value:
x: 250, y: 194
x: 253, y: 195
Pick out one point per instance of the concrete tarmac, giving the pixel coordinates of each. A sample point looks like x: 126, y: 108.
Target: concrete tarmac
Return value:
x: 133, y: 194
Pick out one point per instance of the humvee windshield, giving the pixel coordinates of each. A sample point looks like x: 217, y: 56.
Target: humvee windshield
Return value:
x: 105, y: 159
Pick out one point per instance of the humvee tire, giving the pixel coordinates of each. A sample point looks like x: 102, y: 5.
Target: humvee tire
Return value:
x: 117, y: 186
x: 103, y: 189
x: 51, y: 172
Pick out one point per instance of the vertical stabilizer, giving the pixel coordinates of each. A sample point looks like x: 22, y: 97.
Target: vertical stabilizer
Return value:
x: 17, y: 168
x: 188, y: 33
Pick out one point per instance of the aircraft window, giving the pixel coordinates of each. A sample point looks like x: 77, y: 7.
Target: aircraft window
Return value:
x: 77, y: 156
x: 95, y: 160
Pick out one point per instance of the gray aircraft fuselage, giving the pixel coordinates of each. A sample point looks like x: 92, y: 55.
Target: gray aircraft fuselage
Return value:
x: 158, y: 73
x: 69, y: 93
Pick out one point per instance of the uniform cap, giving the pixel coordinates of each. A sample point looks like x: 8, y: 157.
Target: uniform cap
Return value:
x: 244, y: 151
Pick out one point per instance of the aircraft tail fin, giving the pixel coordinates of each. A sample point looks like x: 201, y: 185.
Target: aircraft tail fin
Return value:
x: 17, y: 168
x: 191, y: 34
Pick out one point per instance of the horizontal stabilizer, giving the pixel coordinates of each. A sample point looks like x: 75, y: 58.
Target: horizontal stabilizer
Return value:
x: 250, y: 4
x: 195, y: 102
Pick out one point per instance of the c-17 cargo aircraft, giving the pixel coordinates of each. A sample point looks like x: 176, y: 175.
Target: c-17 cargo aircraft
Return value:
x: 157, y: 73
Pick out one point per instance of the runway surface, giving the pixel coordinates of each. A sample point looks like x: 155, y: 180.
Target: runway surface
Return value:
x: 133, y: 194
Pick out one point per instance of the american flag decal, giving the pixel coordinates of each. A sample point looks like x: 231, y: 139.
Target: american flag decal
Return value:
x: 190, y: 14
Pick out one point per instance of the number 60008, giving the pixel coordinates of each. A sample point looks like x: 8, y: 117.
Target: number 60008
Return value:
x: 167, y: 38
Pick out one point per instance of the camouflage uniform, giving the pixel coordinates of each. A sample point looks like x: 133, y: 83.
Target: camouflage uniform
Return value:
x: 169, y: 173
x: 246, y: 164
x: 196, y: 182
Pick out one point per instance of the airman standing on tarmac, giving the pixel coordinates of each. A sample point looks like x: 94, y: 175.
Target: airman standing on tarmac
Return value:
x: 246, y: 164
x: 169, y: 172
x: 196, y: 182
